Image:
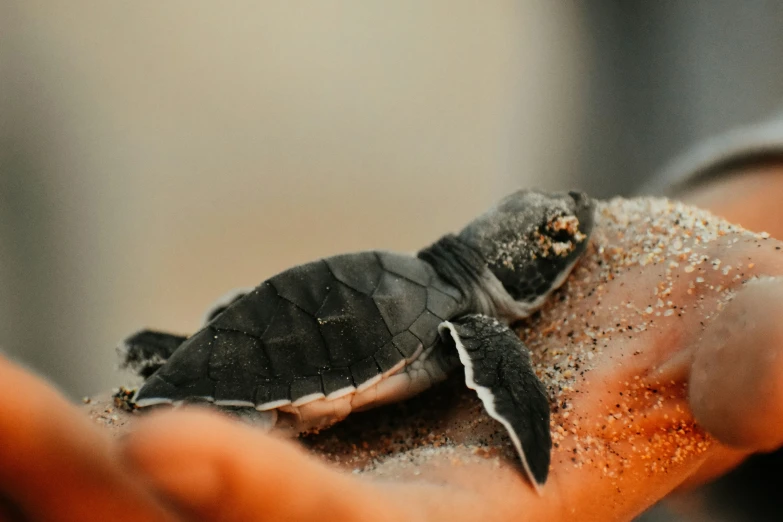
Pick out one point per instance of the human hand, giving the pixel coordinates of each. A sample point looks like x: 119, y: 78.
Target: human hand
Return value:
x: 205, y: 467
x: 622, y: 422
x: 55, y: 465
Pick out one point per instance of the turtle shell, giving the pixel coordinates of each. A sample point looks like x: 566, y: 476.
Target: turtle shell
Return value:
x: 318, y: 329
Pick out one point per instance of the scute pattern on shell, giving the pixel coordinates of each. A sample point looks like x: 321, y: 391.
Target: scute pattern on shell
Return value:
x: 313, y: 329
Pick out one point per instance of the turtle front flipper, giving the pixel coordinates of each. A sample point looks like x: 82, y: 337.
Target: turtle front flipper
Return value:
x: 220, y: 306
x: 497, y: 365
x: 147, y: 350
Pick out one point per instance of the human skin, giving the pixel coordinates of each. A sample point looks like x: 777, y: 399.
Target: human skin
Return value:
x: 191, y: 465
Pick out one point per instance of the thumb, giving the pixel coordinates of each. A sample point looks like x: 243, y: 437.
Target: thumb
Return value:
x: 736, y: 377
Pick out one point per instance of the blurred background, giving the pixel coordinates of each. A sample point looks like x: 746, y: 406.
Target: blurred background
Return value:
x: 154, y: 156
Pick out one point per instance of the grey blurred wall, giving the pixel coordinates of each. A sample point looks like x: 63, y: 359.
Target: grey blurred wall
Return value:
x: 665, y: 74
x: 154, y: 155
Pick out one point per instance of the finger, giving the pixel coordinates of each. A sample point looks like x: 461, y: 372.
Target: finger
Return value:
x: 629, y: 413
x: 721, y: 459
x: 215, y: 469
x: 736, y: 378
x: 55, y: 465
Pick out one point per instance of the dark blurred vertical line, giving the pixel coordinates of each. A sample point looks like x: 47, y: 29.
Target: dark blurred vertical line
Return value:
x: 623, y: 93
x: 7, y: 249
x: 28, y: 260
x: 602, y: 149
x: 719, y: 66
x: 667, y: 74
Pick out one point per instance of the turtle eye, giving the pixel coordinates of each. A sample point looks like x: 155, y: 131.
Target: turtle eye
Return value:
x: 558, y: 236
x: 531, y: 240
x: 534, y: 272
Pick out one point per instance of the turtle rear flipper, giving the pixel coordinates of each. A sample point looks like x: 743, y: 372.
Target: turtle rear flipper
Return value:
x: 147, y: 350
x: 497, y: 365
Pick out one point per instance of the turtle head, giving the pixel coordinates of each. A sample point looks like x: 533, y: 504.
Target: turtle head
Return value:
x: 530, y: 240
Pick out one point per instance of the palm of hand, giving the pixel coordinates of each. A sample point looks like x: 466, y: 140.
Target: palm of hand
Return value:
x: 616, y: 352
x: 617, y: 362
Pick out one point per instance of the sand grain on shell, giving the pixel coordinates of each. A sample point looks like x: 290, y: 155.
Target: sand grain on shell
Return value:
x: 689, y: 251
x: 447, y: 425
x: 678, y: 244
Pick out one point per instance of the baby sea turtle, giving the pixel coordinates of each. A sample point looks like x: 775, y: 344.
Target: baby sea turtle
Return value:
x: 350, y: 332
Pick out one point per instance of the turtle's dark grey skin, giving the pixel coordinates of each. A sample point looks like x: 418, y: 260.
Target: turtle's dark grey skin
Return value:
x: 350, y: 332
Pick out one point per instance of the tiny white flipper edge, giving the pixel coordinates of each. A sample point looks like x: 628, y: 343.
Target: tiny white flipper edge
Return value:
x: 152, y: 401
x: 155, y: 401
x: 273, y: 405
x: 235, y: 403
x: 224, y: 301
x: 301, y: 401
x: 342, y: 392
x: 485, y: 394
